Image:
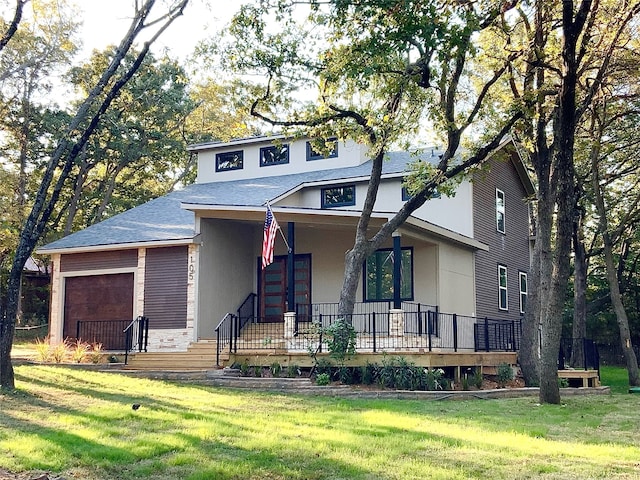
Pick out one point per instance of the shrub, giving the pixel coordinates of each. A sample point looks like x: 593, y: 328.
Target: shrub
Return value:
x: 293, y: 371
x: 404, y: 375
x: 348, y: 375
x: 341, y: 340
x: 79, y: 351
x: 324, y: 366
x: 43, y: 350
x: 368, y: 373
x: 60, y: 351
x: 244, y: 369
x: 477, y: 378
x: 257, y: 371
x: 275, y: 369
x: 323, y: 379
x: 387, y: 374
x: 435, y: 379
x: 95, y: 353
x: 504, y: 374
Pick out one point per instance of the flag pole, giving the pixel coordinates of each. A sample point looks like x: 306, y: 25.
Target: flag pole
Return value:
x: 279, y: 228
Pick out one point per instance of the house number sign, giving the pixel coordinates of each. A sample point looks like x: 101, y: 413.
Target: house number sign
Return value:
x: 192, y: 268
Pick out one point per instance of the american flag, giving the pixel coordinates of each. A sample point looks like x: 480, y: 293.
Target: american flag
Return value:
x: 269, y: 238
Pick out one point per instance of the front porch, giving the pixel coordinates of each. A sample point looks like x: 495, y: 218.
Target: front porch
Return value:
x: 414, y: 329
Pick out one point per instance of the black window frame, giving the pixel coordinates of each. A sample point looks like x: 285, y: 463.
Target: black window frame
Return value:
x: 312, y: 155
x: 389, y: 253
x: 282, y: 151
x: 220, y: 157
x: 346, y: 203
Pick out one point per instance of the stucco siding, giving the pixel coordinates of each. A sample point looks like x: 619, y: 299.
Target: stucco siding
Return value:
x: 456, y: 280
x: 227, y: 269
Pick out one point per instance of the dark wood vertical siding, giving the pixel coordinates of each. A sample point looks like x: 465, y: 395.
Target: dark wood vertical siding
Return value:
x: 165, y: 287
x: 511, y: 248
x: 99, y: 260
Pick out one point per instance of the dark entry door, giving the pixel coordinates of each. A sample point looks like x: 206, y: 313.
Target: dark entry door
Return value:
x: 273, y: 287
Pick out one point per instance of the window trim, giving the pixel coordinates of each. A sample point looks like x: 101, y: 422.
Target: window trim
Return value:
x: 312, y: 155
x: 505, y: 288
x: 325, y: 204
x: 501, y: 211
x: 274, y: 147
x: 411, y: 278
x: 219, y: 157
x: 524, y: 294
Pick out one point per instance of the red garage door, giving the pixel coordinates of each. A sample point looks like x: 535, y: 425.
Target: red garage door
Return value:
x: 102, y: 304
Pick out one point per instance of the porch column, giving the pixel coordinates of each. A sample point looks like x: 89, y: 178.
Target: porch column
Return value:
x: 397, y: 264
x: 291, y: 280
x: 396, y: 327
x: 289, y: 326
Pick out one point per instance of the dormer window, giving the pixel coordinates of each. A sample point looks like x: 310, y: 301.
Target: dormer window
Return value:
x: 338, y: 196
x: 274, y: 155
x: 313, y: 154
x: 229, y: 161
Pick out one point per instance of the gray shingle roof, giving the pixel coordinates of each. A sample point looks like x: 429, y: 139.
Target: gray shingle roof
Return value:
x: 163, y: 219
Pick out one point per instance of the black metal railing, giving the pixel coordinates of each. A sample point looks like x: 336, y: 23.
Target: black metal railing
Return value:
x: 136, y: 336
x: 224, y: 335
x: 578, y: 353
x: 247, y: 311
x: 109, y: 333
x: 311, y: 313
x: 492, y: 335
x: 425, y: 329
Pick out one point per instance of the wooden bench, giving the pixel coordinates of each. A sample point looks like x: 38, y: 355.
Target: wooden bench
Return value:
x: 589, y: 378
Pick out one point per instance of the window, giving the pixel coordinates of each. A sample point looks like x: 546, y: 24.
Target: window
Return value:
x: 313, y: 154
x: 338, y: 196
x: 503, y: 303
x: 406, y: 196
x: 229, y: 161
x: 523, y: 291
x: 378, y: 275
x: 274, y: 155
x: 500, y: 211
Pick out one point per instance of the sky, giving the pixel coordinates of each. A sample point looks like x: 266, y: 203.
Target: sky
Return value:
x: 106, y: 21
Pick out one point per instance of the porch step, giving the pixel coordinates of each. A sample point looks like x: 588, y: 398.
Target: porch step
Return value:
x: 199, y: 356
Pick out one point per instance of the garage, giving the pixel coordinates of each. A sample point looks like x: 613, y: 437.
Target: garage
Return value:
x: 97, y: 308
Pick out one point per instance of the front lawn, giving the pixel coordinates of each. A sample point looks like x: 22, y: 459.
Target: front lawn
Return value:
x: 81, y: 424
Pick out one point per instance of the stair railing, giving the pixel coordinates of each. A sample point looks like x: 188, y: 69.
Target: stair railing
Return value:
x: 136, y: 336
x: 224, y: 332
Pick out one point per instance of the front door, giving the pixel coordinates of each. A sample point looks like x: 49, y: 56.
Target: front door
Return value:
x: 273, y: 287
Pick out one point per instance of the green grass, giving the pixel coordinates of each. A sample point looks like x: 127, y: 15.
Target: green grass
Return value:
x: 80, y: 424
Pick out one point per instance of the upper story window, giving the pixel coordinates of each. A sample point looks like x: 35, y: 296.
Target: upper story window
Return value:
x: 378, y: 275
x: 523, y: 291
x: 503, y: 296
x: 313, y: 154
x: 500, y: 208
x: 338, y: 196
x: 406, y: 195
x: 229, y: 161
x: 274, y: 155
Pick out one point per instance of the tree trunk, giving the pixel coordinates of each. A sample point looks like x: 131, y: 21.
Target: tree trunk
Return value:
x: 61, y: 161
x: 579, y: 330
x: 612, y: 277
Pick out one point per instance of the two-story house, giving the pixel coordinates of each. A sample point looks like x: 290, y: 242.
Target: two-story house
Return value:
x: 188, y: 260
